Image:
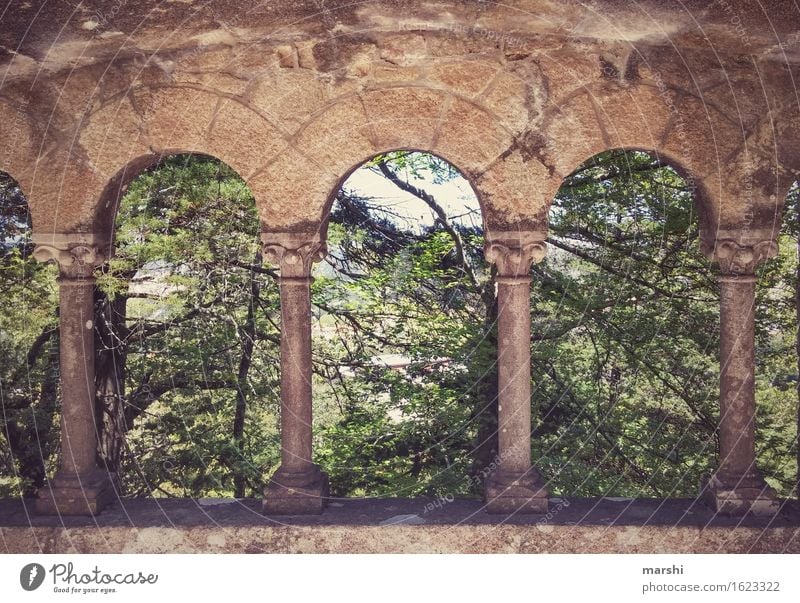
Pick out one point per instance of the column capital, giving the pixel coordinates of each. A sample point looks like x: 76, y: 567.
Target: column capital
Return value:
x: 740, y: 258
x: 513, y: 252
x: 77, y: 254
x: 293, y: 253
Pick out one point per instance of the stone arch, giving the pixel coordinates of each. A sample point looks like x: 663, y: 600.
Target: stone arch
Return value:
x: 133, y: 131
x: 117, y: 185
x: 691, y: 132
x: 343, y: 179
x: 641, y: 114
x: 470, y: 204
x: 112, y: 362
x: 704, y: 203
x: 22, y: 147
x: 357, y: 127
x: 770, y: 166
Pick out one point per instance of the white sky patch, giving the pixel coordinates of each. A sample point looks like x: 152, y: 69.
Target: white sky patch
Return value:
x: 455, y: 196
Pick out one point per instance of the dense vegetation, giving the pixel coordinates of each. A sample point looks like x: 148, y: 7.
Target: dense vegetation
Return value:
x: 624, y: 340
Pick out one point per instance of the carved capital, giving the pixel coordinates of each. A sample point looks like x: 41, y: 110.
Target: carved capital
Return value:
x: 293, y: 253
x: 736, y: 259
x: 77, y: 254
x: 514, y: 252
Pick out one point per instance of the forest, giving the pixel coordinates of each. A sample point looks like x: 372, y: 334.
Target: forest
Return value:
x: 624, y: 338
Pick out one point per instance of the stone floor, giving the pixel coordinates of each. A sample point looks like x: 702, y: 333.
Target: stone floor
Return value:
x: 399, y: 525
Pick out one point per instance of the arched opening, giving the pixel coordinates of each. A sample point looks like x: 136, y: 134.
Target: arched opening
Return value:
x: 404, y: 333
x: 187, y: 336
x: 625, y: 314
x: 29, y: 434
x: 778, y: 356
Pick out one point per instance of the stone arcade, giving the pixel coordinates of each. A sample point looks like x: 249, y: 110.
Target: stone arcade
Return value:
x: 295, y: 95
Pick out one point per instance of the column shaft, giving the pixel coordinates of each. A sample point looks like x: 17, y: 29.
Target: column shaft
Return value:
x: 296, y: 416
x: 79, y: 487
x: 515, y: 486
x: 298, y: 486
x: 737, y: 376
x: 76, y: 328
x: 737, y: 487
x: 514, y: 374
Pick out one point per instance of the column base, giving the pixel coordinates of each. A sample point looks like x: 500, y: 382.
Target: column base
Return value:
x: 296, y: 493
x: 507, y: 493
x: 73, y: 494
x: 730, y: 495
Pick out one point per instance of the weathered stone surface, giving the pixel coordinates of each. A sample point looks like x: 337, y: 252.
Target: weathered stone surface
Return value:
x: 289, y: 96
x: 536, y: 70
x: 76, y: 494
x: 339, y: 138
x: 467, y: 76
x: 516, y: 494
x: 242, y: 136
x: 516, y: 98
x: 306, y: 498
x: 280, y: 183
x: 701, y: 139
x: 748, y: 201
x: 526, y: 203
x: 394, y: 74
x: 208, y: 59
x: 732, y: 497
x: 788, y: 147
x: 462, y: 526
x: 177, y: 118
x: 635, y: 117
x: 571, y: 69
x: 470, y: 138
x: 405, y: 117
x: 572, y: 133
x: 69, y: 97
x: 20, y: 140
x: 216, y: 83
x: 515, y: 94
x: 113, y: 137
x: 68, y: 188
x: 403, y: 49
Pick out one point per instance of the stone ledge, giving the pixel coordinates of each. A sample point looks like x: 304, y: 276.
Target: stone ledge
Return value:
x: 399, y: 526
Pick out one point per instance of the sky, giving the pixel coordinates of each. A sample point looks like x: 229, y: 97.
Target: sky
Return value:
x: 455, y: 196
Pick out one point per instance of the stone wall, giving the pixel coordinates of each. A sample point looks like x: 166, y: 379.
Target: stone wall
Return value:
x: 399, y: 526
x: 295, y: 95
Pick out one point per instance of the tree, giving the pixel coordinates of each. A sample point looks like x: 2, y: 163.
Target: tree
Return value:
x: 423, y: 293
x: 187, y: 343
x: 624, y: 340
x: 28, y: 352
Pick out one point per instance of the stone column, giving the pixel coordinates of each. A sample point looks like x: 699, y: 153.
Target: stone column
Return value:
x: 298, y: 486
x: 514, y: 486
x: 737, y: 487
x: 80, y: 486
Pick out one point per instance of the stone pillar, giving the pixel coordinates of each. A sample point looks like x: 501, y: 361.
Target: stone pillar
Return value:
x: 80, y: 486
x: 737, y: 487
x: 298, y: 486
x: 514, y: 486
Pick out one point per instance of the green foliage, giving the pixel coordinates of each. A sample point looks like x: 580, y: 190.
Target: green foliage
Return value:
x: 624, y: 341
x: 402, y: 297
x: 187, y: 258
x: 28, y: 352
x: 627, y: 308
